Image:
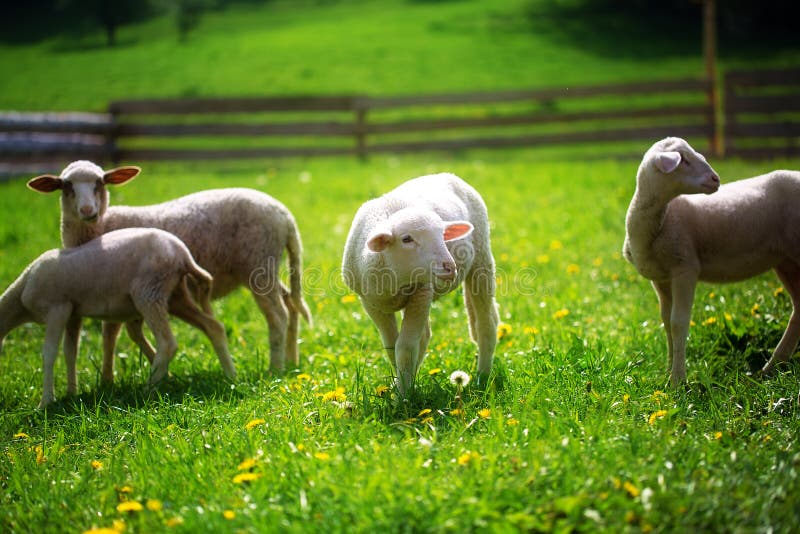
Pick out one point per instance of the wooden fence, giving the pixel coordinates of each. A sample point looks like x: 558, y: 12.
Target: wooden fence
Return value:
x: 762, y: 113
x: 620, y: 119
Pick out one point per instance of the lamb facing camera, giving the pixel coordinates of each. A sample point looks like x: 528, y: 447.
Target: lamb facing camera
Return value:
x: 411, y: 246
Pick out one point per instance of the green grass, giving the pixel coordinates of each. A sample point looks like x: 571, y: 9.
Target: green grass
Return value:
x: 581, y: 431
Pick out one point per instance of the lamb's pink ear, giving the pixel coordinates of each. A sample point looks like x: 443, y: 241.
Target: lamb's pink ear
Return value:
x: 46, y: 183
x: 668, y: 161
x: 120, y: 175
x: 380, y: 238
x: 457, y: 230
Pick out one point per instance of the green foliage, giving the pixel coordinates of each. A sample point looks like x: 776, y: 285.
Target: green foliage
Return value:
x: 577, y: 431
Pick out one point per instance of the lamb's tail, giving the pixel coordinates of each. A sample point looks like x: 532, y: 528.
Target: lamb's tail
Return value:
x: 202, y: 284
x: 295, y: 249
x: 12, y: 312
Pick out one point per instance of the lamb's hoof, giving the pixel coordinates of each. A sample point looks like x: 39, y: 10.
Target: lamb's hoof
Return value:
x: 46, y: 401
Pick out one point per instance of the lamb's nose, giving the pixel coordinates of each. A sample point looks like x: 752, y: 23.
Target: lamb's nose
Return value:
x: 447, y: 271
x: 87, y: 211
x: 715, y: 178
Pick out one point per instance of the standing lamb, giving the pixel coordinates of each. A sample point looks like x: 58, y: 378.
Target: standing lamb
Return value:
x: 237, y: 234
x: 122, y: 275
x: 675, y: 237
x: 413, y: 245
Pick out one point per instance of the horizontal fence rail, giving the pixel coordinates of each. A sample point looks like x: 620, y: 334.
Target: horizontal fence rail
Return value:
x: 762, y: 113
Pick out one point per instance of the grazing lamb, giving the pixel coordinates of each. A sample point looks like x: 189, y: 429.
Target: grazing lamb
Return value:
x: 122, y: 275
x: 675, y: 237
x: 237, y: 235
x: 413, y: 245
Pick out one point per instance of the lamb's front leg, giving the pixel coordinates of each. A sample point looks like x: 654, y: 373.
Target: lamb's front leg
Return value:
x: 680, y: 316
x: 72, y: 340
x: 386, y: 323
x: 412, y: 331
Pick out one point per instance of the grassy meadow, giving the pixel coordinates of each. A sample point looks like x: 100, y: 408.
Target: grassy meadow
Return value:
x: 577, y: 430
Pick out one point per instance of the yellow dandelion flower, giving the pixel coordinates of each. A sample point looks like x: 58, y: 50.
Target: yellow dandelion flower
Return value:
x: 456, y: 412
x: 174, y: 521
x: 542, y: 258
x: 560, y: 314
x: 21, y: 435
x: 712, y: 295
x: 632, y: 490
x: 503, y: 329
x: 597, y: 262
x: 349, y: 299
x: 573, y: 268
x: 303, y: 377
x: 754, y: 309
x: 118, y: 525
x: 380, y: 391
x: 766, y: 438
x: 254, y: 423
x: 555, y: 244
x: 728, y: 316
x: 40, y: 457
x: 717, y: 435
x: 468, y: 458
x: 512, y: 422
x: 96, y: 465
x: 130, y: 506
x: 426, y: 411
x: 626, y: 398
x: 426, y: 420
x: 710, y: 321
x: 434, y: 371
x: 630, y: 517
x: 322, y: 456
x: 658, y: 414
x: 337, y: 395
x: 125, y: 490
x: 241, y: 478
x: 530, y: 330
x: 247, y: 464
x: 778, y: 291
x: 229, y: 514
x: 485, y: 413
x: 154, y: 505
x: 102, y: 530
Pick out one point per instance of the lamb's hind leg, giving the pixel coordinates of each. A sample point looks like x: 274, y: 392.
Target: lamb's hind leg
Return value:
x: 789, y: 274
x: 479, y: 291
x: 182, y: 306
x: 277, y: 316
x: 157, y: 319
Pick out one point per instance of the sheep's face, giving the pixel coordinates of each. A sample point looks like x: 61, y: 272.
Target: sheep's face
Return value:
x: 413, y: 244
x: 679, y: 169
x: 82, y: 184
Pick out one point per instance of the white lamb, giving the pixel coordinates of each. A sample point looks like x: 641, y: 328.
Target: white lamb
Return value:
x: 237, y: 234
x: 675, y: 237
x: 413, y: 245
x: 122, y: 275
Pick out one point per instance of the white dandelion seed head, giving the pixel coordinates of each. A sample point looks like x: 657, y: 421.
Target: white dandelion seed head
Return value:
x: 459, y: 378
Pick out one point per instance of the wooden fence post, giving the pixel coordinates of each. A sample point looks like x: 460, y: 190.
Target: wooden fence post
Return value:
x: 361, y: 107
x: 710, y: 56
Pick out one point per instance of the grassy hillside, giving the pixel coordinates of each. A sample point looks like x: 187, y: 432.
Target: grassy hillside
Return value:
x: 348, y: 46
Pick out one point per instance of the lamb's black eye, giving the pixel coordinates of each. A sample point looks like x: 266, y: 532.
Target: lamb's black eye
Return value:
x: 686, y: 162
x: 66, y: 189
x: 407, y: 239
x: 98, y: 186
